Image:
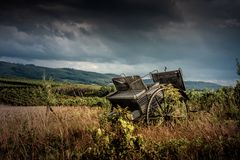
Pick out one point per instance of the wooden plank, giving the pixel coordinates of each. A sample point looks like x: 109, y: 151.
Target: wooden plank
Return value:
x: 127, y: 94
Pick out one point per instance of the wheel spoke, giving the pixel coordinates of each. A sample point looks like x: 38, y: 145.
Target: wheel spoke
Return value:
x: 156, y: 117
x: 159, y: 104
x: 160, y: 112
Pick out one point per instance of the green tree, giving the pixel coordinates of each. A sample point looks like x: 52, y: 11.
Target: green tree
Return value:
x: 237, y: 87
x: 238, y: 67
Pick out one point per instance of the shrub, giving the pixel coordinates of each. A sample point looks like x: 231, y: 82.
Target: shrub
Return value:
x: 105, y: 90
x: 23, y: 96
x: 223, y: 103
x: 115, y: 139
x: 237, y: 94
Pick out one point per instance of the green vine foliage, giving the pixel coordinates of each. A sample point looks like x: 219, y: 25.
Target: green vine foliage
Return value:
x: 173, y: 103
x: 172, y: 96
x: 49, y: 95
x: 115, y: 138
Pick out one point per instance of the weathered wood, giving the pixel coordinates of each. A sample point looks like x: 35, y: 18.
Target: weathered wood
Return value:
x: 134, y: 94
x: 129, y: 94
x: 173, y: 77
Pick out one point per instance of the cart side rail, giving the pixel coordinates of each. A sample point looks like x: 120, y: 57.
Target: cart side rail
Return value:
x: 173, y: 77
x: 129, y: 83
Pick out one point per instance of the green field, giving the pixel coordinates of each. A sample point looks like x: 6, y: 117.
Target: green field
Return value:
x: 25, y: 92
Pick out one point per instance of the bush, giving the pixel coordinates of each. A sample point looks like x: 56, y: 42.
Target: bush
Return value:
x: 24, y: 96
x: 115, y: 139
x: 105, y: 90
x: 76, y: 91
x: 82, y: 101
x: 237, y: 94
x: 223, y: 103
x: 43, y: 93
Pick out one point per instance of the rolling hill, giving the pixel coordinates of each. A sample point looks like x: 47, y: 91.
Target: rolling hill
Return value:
x: 31, y: 71
x: 201, y: 85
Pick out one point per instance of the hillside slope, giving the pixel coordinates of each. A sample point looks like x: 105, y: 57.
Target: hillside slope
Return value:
x: 201, y: 85
x: 59, y: 74
x: 77, y: 76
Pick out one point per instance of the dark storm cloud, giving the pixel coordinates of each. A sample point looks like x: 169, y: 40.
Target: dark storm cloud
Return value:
x: 107, y: 15
x: 123, y: 14
x: 192, y: 34
x: 212, y: 12
x: 113, y: 21
x: 107, y: 6
x: 213, y: 8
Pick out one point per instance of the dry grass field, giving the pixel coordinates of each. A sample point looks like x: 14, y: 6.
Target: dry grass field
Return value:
x: 22, y: 125
x: 201, y: 125
x: 28, y: 132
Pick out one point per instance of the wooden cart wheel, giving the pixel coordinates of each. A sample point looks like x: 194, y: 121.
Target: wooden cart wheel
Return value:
x: 160, y: 112
x: 154, y: 111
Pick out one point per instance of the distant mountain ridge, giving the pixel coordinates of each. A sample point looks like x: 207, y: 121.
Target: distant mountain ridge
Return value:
x: 59, y: 74
x: 31, y: 71
x: 201, y: 85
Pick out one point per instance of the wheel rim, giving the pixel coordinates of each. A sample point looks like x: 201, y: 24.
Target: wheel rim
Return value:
x: 161, y: 112
x: 154, y: 109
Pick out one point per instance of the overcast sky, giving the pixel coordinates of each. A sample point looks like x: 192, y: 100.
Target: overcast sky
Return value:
x: 129, y: 36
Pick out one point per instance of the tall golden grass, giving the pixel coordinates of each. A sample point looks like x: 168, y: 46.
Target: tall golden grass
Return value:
x: 28, y: 132
x: 22, y: 125
x: 200, y: 125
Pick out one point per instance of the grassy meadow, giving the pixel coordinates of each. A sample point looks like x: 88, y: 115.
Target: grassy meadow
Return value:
x: 78, y: 126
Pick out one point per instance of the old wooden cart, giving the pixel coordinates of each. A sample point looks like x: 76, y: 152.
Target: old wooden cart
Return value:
x: 146, y: 102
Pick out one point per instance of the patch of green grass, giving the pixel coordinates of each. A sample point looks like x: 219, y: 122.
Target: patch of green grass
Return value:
x: 22, y: 92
